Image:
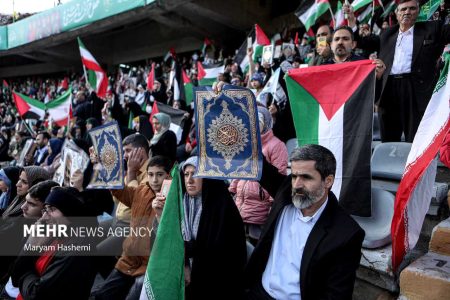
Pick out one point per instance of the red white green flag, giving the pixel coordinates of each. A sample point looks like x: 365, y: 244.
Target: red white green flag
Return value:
x: 311, y: 10
x: 60, y: 109
x: 332, y: 105
x: 29, y: 108
x: 95, y: 75
x: 414, y: 193
x: 339, y: 18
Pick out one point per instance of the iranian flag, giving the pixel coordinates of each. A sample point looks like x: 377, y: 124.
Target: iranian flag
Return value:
x: 310, y: 11
x: 176, y: 117
x: 60, y: 109
x: 332, y: 105
x: 415, y: 190
x: 207, y: 76
x: 29, y: 108
x: 93, y: 71
x: 339, y: 19
x: 188, y: 88
x: 164, y: 278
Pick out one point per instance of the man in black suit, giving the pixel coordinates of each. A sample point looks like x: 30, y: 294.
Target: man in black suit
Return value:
x: 310, y: 247
x: 410, y: 51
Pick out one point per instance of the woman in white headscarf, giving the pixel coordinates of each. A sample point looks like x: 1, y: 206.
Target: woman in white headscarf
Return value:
x: 164, y: 141
x: 252, y: 200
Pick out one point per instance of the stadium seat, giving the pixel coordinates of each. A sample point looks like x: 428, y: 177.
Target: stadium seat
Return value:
x: 378, y: 226
x: 389, y: 160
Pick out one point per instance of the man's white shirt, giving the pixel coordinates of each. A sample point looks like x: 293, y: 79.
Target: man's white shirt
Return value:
x: 403, y: 52
x: 281, y: 278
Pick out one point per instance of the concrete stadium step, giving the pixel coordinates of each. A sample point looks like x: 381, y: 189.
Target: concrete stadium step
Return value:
x: 440, y: 239
x: 426, y: 278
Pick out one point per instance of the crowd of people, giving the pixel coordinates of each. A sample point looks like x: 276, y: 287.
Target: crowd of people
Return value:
x: 305, y: 245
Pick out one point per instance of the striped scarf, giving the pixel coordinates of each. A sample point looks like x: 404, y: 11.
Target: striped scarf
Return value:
x: 192, y: 212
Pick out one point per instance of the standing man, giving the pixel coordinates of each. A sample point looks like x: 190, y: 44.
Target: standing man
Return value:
x: 410, y: 51
x: 323, y: 50
x: 310, y: 247
x: 42, y: 150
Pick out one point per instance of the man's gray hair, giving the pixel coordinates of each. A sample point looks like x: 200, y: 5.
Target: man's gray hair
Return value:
x: 324, y: 158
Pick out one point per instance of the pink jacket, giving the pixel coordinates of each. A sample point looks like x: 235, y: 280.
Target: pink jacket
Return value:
x: 252, y: 200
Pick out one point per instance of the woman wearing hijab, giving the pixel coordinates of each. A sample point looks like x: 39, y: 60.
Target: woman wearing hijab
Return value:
x: 144, y: 127
x: 52, y: 161
x: 164, y: 141
x: 8, y: 180
x: 29, y: 176
x: 58, y: 272
x: 252, y: 200
x: 214, y: 236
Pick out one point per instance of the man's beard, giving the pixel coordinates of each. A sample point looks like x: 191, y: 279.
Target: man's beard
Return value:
x: 304, y: 199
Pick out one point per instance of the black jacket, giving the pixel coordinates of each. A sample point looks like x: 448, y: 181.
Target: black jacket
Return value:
x: 166, y: 146
x: 428, y: 42
x: 219, y: 252
x: 332, y: 251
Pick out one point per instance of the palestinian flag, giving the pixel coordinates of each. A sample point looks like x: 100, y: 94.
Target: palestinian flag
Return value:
x: 188, y: 88
x: 176, y: 117
x: 207, y: 43
x: 164, y: 278
x: 332, y: 105
x: 414, y: 193
x: 94, y: 73
x: 60, y: 109
x: 176, y: 81
x: 365, y: 16
x: 170, y: 54
x: 5, y: 84
x: 427, y: 10
x: 207, y: 76
x: 310, y: 11
x: 274, y: 87
x: 389, y: 8
x: 29, y: 108
x: 260, y: 40
x: 358, y: 4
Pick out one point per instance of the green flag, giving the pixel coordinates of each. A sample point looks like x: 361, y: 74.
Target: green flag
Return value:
x: 164, y: 278
x: 427, y: 10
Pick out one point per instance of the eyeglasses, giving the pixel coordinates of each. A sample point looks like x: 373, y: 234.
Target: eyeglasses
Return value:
x: 48, y: 209
x: 322, y: 34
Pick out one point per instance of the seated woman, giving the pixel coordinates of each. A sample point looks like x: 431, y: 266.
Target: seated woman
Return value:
x: 65, y: 267
x: 214, y: 236
x: 164, y: 141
